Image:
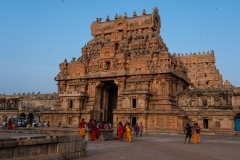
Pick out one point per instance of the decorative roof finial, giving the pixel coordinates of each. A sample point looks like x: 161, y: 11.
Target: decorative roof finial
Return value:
x: 134, y: 14
x: 125, y: 15
x: 155, y: 10
x: 116, y: 17
x: 107, y: 19
x: 98, y: 19
x: 144, y: 12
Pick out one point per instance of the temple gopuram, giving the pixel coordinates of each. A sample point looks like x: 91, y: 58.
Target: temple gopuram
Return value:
x: 126, y: 73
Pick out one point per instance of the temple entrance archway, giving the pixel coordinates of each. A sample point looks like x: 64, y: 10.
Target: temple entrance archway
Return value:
x: 105, y: 101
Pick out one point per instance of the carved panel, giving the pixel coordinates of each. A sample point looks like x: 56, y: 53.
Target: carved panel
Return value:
x: 107, y: 52
x: 138, y: 66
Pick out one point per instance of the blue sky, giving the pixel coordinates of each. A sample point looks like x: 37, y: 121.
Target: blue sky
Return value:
x: 37, y: 35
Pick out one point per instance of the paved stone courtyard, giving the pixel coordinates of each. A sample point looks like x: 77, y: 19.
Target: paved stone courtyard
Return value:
x: 169, y: 147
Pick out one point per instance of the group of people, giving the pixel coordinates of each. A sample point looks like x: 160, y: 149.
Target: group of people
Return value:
x: 192, y: 132
x: 43, y: 124
x: 121, y: 129
x: 12, y: 124
x: 138, y: 129
x: 127, y: 129
x: 95, y: 128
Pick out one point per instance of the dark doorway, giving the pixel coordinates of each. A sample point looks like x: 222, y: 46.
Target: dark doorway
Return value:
x: 105, y: 101
x: 134, y: 103
x: 70, y: 103
x: 134, y: 121
x: 112, y: 99
x: 205, y: 123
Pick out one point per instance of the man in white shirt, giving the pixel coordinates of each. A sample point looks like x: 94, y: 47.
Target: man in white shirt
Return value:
x: 3, y: 124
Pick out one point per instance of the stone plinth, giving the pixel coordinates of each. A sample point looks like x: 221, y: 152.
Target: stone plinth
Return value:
x: 41, y: 146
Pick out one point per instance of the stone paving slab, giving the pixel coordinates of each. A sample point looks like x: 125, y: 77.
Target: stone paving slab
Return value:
x: 169, y: 147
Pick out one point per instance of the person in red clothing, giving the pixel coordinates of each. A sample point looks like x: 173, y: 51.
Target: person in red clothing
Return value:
x: 9, y: 125
x: 93, y: 127
x: 82, y: 126
x: 120, y: 131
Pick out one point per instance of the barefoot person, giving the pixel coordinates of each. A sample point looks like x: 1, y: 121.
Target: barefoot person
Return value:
x: 188, y: 130
x: 194, y: 134
x: 93, y: 126
x: 198, y: 132
x: 120, y: 131
x: 140, y: 129
x: 128, y: 131
x: 82, y: 126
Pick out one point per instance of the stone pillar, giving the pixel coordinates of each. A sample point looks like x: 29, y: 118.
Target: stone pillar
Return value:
x: 97, y: 105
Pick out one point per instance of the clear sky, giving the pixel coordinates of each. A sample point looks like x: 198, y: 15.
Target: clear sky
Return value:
x: 37, y: 35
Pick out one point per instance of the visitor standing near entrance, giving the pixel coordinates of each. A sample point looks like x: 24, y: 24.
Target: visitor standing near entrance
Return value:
x: 140, y: 129
x: 106, y: 126
x: 135, y: 128
x: 188, y: 130
x: 128, y: 131
x: 194, y: 134
x: 198, y: 132
x: 120, y: 131
x: 110, y: 125
x: 14, y: 124
x: 34, y: 124
x: 93, y: 127
x: 4, y: 124
x: 9, y: 125
x: 82, y: 126
x: 44, y: 124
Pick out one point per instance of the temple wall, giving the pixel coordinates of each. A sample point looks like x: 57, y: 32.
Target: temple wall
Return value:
x: 43, y: 147
x: 154, y: 122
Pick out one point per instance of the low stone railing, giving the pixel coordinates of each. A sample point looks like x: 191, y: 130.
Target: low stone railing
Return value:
x: 38, y: 147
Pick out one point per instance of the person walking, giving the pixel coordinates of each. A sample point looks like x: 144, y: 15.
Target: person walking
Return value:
x: 9, y: 125
x: 140, y: 129
x: 188, y: 130
x: 194, y: 134
x: 93, y: 126
x: 198, y: 132
x: 128, y: 132
x: 135, y: 128
x: 82, y: 126
x: 4, y: 124
x: 120, y: 131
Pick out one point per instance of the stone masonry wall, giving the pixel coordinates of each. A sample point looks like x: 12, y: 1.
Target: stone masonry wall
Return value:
x: 42, y: 147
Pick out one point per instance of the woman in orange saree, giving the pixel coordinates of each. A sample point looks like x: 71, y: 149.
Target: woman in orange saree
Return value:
x: 194, y: 134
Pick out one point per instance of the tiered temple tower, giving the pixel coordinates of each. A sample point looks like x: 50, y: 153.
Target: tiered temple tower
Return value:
x: 125, y: 74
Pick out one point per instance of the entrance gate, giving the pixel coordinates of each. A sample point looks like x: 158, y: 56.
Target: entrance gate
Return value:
x: 105, y: 101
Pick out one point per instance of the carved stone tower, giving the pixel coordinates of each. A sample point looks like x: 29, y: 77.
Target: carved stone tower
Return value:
x: 125, y: 74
